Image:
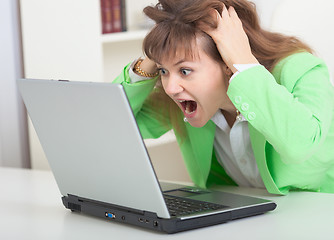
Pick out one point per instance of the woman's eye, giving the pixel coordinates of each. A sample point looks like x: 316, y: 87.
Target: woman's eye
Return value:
x: 185, y: 72
x: 162, y: 71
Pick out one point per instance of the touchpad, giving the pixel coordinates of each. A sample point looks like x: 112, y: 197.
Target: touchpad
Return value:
x: 185, y: 192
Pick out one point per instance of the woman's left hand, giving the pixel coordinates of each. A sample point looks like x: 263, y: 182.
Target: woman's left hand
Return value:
x: 230, y: 38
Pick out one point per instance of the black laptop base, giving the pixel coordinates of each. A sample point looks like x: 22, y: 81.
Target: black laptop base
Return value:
x: 151, y: 221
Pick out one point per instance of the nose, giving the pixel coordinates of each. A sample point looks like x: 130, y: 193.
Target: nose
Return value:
x: 172, y: 85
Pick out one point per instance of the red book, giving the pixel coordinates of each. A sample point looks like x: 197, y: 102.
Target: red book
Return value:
x: 106, y: 16
x: 116, y: 15
x: 113, y: 16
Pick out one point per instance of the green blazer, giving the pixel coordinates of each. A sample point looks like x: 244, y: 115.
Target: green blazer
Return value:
x: 290, y: 115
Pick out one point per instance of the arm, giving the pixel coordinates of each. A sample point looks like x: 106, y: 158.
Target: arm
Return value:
x: 138, y: 92
x: 293, y: 111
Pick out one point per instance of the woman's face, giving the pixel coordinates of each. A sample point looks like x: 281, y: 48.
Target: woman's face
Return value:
x: 196, y: 85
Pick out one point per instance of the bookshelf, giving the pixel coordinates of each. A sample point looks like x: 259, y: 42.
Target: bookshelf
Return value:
x: 63, y: 40
x: 136, y: 35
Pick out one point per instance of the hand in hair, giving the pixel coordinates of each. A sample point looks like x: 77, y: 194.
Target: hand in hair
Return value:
x: 230, y: 38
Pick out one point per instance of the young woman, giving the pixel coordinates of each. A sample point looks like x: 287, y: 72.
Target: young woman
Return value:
x: 248, y: 107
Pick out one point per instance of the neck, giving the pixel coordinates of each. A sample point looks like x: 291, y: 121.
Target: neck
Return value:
x: 230, y: 116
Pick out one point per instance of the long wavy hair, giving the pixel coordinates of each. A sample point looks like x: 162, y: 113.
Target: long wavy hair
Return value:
x: 176, y: 29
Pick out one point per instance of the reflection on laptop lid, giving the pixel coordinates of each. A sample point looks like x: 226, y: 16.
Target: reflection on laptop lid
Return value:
x: 102, y: 168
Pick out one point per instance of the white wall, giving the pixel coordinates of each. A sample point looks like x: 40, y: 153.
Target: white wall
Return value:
x: 265, y: 9
x: 311, y: 21
x: 14, y: 151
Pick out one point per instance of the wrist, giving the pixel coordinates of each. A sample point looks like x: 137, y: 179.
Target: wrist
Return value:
x: 145, y: 68
x: 251, y: 60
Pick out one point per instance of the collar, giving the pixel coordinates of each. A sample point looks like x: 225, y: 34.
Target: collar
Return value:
x: 221, y: 122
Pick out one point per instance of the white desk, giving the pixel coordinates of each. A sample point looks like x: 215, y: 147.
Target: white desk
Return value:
x: 30, y: 208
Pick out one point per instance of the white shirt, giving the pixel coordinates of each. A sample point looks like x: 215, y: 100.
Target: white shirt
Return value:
x: 232, y: 145
x: 234, y: 151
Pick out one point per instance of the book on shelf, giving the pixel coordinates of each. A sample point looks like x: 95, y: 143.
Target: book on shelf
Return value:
x: 113, y: 16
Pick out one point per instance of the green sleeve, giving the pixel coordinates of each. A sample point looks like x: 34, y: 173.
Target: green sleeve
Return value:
x: 148, y: 118
x: 291, y: 107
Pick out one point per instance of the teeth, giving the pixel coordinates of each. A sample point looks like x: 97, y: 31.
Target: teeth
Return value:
x: 188, y: 106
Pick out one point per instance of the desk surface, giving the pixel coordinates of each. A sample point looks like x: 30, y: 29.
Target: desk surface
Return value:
x: 30, y: 208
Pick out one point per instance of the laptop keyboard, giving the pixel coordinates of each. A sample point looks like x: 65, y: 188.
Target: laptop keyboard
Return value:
x: 181, y: 206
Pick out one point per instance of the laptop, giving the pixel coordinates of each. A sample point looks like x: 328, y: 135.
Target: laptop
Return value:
x: 101, y: 165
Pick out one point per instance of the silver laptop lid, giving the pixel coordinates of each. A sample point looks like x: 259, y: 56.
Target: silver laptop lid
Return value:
x: 92, y: 142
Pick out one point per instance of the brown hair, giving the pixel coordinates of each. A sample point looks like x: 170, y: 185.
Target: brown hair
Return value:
x: 177, y: 28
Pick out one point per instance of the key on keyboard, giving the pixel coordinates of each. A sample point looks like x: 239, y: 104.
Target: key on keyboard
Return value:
x: 181, y: 206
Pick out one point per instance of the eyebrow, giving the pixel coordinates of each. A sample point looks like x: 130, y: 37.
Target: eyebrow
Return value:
x: 178, y: 63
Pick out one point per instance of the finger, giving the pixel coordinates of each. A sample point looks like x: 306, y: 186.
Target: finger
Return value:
x: 215, y: 14
x: 207, y: 27
x: 234, y: 16
x: 225, y: 13
x: 232, y: 12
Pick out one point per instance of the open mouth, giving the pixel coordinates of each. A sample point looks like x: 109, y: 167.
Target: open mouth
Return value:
x: 188, y: 106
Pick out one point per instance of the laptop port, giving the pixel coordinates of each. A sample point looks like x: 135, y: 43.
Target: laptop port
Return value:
x: 110, y: 215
